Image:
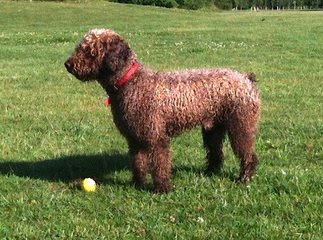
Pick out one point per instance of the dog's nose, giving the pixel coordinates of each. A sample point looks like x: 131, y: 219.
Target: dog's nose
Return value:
x: 68, y: 64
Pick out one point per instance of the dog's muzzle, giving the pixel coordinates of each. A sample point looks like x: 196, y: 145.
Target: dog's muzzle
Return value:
x: 69, y: 65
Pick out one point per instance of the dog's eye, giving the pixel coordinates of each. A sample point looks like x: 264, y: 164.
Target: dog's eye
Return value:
x: 89, y: 52
x: 93, y: 52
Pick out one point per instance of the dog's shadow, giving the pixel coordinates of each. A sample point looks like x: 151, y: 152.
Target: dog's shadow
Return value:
x: 68, y: 168
x: 71, y: 169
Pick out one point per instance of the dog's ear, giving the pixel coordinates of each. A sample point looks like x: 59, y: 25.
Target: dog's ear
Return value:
x: 117, y: 54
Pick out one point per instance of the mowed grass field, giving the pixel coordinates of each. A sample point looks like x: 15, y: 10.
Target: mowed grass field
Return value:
x: 55, y: 130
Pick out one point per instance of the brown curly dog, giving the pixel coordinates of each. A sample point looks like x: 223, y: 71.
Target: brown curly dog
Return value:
x: 150, y: 107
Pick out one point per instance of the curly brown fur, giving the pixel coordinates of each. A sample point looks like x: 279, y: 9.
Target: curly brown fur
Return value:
x: 154, y: 106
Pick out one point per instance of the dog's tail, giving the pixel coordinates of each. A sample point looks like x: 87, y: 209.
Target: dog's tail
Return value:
x: 251, y: 76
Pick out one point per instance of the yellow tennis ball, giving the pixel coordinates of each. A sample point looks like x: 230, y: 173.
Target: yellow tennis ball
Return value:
x: 88, y: 185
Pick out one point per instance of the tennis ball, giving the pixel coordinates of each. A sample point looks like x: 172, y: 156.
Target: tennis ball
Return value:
x: 88, y: 185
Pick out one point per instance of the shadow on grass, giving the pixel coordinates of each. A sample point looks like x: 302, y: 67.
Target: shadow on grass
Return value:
x: 68, y: 168
x: 224, y: 173
x: 100, y: 167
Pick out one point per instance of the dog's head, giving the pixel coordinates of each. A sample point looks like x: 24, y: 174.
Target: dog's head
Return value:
x: 99, y: 55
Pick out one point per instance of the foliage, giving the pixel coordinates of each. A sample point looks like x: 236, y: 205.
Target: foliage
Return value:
x: 229, y: 4
x: 221, y: 4
x: 159, y: 3
x: 224, y: 4
x: 55, y: 130
x: 194, y: 4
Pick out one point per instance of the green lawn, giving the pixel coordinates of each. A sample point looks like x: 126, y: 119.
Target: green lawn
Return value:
x: 54, y: 130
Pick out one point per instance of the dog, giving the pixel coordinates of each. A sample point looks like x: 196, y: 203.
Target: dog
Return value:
x: 149, y: 107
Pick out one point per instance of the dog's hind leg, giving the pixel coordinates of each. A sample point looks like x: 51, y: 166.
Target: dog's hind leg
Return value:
x: 213, y: 139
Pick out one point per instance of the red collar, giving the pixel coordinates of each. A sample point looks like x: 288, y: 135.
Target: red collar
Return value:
x: 124, y: 80
x: 128, y: 74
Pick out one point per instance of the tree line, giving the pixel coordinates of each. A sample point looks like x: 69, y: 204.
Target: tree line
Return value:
x: 233, y: 4
x: 279, y: 4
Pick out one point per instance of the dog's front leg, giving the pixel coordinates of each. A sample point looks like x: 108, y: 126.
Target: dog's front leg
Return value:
x: 161, y: 167
x: 139, y: 160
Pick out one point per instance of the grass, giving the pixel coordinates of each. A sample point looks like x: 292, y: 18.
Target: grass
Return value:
x: 55, y: 130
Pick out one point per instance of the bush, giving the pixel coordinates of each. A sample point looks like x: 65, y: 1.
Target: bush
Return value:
x: 166, y: 3
x: 188, y: 4
x: 223, y: 4
x: 194, y: 4
x: 159, y: 3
